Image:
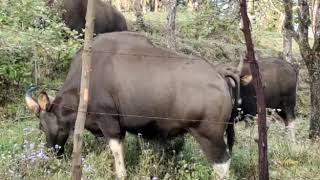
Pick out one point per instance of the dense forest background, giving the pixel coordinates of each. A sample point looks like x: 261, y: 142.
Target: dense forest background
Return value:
x: 36, y: 48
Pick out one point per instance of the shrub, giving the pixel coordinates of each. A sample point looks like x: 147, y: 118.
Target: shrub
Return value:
x: 32, y: 37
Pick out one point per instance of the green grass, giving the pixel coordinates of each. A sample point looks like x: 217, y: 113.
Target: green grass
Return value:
x: 23, y: 156
x: 21, y: 144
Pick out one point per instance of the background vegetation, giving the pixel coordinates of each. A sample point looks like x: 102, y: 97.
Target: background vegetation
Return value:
x: 36, y: 47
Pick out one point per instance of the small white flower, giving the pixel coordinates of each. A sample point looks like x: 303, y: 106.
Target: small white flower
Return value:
x: 26, y: 130
x: 31, y: 146
x: 42, y: 155
x: 57, y: 147
x: 88, y: 168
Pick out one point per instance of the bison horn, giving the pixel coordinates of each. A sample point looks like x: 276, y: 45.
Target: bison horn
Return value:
x: 31, y: 103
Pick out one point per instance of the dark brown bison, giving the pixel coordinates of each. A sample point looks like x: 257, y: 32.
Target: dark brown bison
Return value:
x: 108, y: 19
x: 279, y: 79
x: 139, y: 88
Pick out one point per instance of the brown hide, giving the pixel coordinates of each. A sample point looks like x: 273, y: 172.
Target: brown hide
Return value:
x: 108, y: 19
x: 130, y: 76
x: 279, y: 79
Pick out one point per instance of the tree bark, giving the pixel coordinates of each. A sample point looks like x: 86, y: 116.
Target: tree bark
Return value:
x: 84, y: 92
x: 171, y: 26
x: 315, y: 16
x: 117, y: 3
x: 144, y: 6
x: 193, y: 5
x: 125, y: 4
x: 139, y: 14
x: 250, y: 9
x: 311, y: 57
x: 287, y: 26
x: 156, y: 5
x: 261, y: 107
x: 315, y: 100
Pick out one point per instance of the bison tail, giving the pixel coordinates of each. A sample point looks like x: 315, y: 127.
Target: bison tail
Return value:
x: 230, y: 135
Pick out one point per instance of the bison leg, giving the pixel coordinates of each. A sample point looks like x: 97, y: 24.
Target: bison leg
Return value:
x: 116, y: 147
x: 112, y: 132
x: 290, y: 128
x: 215, y: 148
x: 287, y: 114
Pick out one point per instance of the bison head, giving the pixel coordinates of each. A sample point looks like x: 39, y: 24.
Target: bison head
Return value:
x: 49, y: 122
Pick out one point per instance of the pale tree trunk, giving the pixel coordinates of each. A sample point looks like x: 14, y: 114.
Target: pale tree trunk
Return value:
x: 315, y: 15
x: 251, y: 9
x: 84, y: 92
x: 139, y: 14
x: 261, y: 106
x: 281, y: 17
x: 144, y: 6
x: 151, y: 5
x: 190, y: 5
x: 311, y: 57
x: 287, y: 26
x: 156, y: 5
x: 171, y: 25
x: 117, y: 4
x: 193, y: 5
x: 125, y: 4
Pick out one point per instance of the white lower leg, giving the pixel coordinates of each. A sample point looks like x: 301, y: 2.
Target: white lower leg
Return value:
x: 222, y: 169
x: 117, y: 151
x: 291, y: 130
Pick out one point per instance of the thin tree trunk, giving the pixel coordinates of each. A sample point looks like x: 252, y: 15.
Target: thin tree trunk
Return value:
x: 144, y: 6
x: 117, y: 4
x: 125, y: 4
x: 151, y: 5
x: 171, y: 26
x: 84, y: 92
x: 139, y: 15
x: 193, y: 5
x: 156, y: 5
x: 250, y: 9
x: 315, y: 16
x: 261, y: 107
x: 315, y: 109
x: 36, y: 68
x: 287, y: 26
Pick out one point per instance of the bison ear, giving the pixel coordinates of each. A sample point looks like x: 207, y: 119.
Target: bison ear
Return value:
x: 32, y: 105
x: 43, y: 101
x: 246, y: 79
